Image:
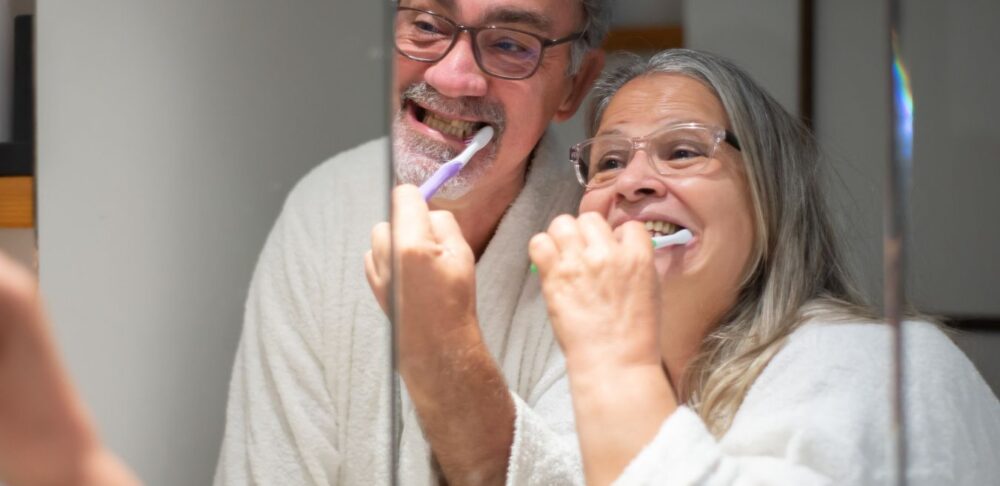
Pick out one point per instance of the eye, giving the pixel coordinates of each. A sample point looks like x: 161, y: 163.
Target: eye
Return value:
x: 679, y: 149
x: 425, y: 27
x: 609, y: 161
x: 684, y: 153
x: 511, y: 47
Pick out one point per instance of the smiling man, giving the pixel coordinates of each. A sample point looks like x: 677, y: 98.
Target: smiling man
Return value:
x: 485, y: 398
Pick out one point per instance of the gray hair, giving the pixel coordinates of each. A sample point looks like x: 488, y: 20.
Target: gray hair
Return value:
x: 796, y: 270
x: 597, y: 14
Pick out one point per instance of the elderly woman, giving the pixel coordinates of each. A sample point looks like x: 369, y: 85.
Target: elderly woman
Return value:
x: 743, y: 356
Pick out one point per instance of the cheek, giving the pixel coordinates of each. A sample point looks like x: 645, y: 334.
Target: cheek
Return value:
x: 736, y: 231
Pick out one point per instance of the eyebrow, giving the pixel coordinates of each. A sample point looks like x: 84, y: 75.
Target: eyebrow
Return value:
x: 506, y: 15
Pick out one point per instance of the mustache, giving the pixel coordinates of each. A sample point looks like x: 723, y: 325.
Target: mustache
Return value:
x: 469, y: 107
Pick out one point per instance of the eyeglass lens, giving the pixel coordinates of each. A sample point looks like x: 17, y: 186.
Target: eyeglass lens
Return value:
x: 678, y: 151
x: 502, y: 52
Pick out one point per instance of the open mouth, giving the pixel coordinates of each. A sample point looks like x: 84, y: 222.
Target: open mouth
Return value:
x: 452, y: 127
x: 662, y: 228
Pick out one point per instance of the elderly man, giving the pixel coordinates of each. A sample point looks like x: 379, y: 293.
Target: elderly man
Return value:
x: 485, y: 398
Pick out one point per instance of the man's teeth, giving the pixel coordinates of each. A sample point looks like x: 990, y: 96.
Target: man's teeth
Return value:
x: 456, y: 128
x: 661, y: 228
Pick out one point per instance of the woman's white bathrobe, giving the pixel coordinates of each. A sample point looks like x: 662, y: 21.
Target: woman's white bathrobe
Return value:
x: 819, y: 414
x: 310, y: 393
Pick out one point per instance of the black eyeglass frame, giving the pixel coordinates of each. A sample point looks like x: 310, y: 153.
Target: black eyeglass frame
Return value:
x: 574, y: 151
x: 474, y: 32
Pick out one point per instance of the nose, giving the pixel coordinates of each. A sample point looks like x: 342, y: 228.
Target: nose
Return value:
x: 457, y: 74
x: 639, y: 180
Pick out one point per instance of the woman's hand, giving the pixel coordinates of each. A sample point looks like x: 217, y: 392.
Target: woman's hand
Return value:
x: 603, y: 297
x: 601, y: 289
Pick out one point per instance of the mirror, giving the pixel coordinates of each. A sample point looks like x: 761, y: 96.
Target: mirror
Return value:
x: 836, y: 83
x: 186, y: 150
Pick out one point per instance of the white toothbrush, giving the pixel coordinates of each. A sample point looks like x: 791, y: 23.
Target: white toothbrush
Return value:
x: 679, y: 238
x: 451, y: 168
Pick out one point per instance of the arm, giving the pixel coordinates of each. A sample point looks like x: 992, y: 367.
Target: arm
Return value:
x: 46, y: 436
x: 603, y: 300
x: 602, y: 295
x: 280, y: 422
x: 460, y: 395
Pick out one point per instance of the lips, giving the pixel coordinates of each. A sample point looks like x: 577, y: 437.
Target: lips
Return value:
x: 449, y: 126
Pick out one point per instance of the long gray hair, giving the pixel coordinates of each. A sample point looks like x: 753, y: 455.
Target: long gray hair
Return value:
x: 796, y: 271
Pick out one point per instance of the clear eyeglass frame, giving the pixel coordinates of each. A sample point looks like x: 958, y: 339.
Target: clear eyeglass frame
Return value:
x: 631, y: 145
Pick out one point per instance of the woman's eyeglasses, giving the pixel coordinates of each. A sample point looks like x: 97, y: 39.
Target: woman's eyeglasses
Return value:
x: 683, y: 149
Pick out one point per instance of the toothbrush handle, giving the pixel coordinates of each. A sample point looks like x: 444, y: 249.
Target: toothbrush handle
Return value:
x: 445, y: 172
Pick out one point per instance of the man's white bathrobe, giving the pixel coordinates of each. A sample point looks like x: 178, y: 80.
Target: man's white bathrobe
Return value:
x: 309, y: 401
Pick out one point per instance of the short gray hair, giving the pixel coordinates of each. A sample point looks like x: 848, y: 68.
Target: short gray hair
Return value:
x: 597, y: 15
x: 796, y: 269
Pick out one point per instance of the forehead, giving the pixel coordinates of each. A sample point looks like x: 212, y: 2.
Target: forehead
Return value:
x: 660, y: 99
x: 547, y: 16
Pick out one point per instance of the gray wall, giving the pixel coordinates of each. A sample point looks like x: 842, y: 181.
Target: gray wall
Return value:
x: 760, y: 35
x: 169, y: 133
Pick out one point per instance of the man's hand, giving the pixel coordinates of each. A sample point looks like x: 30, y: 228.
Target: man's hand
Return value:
x: 45, y: 434
x: 459, y: 392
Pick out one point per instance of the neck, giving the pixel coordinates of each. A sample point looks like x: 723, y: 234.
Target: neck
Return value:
x: 478, y: 213
x: 682, y: 333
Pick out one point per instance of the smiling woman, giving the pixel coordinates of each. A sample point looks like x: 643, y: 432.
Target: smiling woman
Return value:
x: 745, y: 353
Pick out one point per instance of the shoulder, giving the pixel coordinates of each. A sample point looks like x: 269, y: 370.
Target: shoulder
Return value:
x: 359, y: 172
x: 348, y: 190
x: 858, y: 344
x: 829, y: 389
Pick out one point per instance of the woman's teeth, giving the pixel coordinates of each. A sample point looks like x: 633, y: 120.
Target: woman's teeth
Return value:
x: 661, y: 228
x: 456, y: 128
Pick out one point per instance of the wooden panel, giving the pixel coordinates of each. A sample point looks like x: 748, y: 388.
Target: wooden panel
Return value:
x: 644, y: 38
x: 17, y: 202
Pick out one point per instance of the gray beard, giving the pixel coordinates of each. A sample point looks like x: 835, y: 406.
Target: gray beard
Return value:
x: 417, y: 158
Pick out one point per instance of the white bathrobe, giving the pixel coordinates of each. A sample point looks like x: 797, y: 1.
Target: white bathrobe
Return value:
x: 309, y: 401
x: 819, y: 414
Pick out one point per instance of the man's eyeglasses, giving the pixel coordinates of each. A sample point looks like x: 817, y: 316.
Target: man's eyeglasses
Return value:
x: 499, y: 51
x: 683, y: 149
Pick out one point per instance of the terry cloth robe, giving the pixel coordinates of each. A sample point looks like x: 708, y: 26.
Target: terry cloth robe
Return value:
x: 819, y: 414
x: 309, y: 400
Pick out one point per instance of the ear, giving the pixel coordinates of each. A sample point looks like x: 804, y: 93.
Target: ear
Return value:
x: 580, y: 84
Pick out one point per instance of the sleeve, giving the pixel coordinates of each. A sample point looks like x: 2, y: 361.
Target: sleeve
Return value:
x: 684, y: 452
x: 280, y: 419
x: 545, y: 450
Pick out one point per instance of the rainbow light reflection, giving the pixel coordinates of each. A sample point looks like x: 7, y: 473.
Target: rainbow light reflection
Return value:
x: 902, y: 95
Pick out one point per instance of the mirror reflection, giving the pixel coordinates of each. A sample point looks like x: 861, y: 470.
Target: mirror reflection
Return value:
x: 598, y: 267
x: 743, y: 328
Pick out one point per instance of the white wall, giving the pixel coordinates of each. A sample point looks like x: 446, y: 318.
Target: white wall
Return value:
x: 169, y: 133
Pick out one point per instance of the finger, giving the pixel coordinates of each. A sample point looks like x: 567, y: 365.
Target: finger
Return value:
x: 635, y: 238
x: 565, y: 232
x: 410, y: 220
x: 376, y: 281
x: 381, y: 245
x: 595, y: 230
x: 543, y: 252
x: 448, y: 233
